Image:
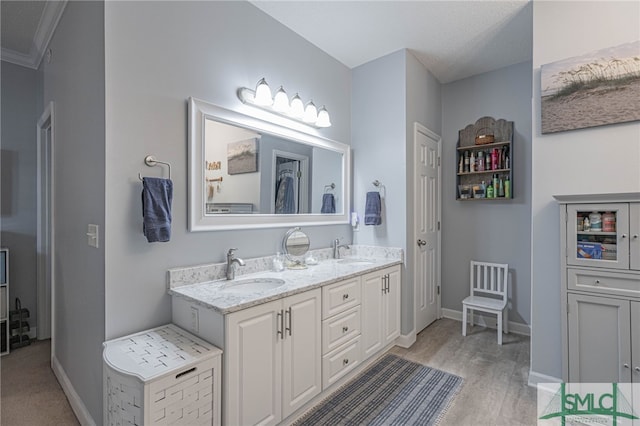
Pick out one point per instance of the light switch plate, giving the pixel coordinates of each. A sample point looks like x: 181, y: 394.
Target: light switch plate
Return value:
x: 93, y: 238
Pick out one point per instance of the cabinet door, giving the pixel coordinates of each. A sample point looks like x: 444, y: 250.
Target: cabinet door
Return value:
x: 599, y: 339
x: 635, y: 342
x: 253, y: 370
x: 302, y: 359
x: 634, y: 235
x: 371, y: 314
x: 391, y: 305
x: 600, y: 246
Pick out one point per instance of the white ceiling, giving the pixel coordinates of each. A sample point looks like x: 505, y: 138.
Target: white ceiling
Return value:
x: 26, y: 28
x: 453, y: 39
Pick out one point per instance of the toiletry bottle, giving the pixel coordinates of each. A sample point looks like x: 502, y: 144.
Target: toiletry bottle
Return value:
x: 490, y: 191
x: 466, y: 161
x: 501, y: 189
x: 278, y: 264
x: 495, y: 185
x: 587, y: 225
x: 507, y: 187
x: 472, y: 162
x: 481, y: 161
x: 461, y: 165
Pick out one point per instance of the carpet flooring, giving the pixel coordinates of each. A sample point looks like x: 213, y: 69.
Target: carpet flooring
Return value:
x: 393, y: 391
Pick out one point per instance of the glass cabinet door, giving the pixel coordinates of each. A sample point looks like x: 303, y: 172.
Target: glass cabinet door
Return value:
x: 598, y: 235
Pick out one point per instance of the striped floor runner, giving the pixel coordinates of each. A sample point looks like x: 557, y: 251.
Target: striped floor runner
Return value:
x: 393, y: 391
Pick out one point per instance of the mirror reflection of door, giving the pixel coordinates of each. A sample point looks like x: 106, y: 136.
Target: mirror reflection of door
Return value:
x: 290, y: 184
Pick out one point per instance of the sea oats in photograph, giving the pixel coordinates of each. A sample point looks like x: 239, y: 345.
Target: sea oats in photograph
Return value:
x: 595, y: 89
x: 242, y: 157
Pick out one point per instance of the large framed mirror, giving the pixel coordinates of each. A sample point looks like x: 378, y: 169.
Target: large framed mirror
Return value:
x: 245, y: 172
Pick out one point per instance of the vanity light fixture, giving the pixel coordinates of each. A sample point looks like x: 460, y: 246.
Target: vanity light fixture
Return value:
x: 279, y: 104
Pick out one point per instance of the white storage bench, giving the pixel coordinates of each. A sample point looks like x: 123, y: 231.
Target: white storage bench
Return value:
x: 162, y: 376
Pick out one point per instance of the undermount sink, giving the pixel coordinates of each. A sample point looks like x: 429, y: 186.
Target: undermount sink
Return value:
x: 249, y: 285
x: 356, y: 261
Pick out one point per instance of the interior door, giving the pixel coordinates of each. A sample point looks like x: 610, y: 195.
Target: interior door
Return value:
x: 426, y: 226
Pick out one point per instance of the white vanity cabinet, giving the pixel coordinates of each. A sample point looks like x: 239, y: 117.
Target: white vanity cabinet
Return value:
x: 600, y: 290
x: 380, y: 309
x: 272, y: 355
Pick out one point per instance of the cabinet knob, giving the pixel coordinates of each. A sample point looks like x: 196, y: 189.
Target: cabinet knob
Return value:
x: 637, y: 369
x: 345, y: 329
x: 635, y: 236
x: 624, y: 236
x: 597, y: 281
x: 345, y: 361
x: 625, y: 365
x: 345, y: 296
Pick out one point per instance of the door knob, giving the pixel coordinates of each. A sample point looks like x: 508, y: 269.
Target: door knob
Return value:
x: 421, y: 243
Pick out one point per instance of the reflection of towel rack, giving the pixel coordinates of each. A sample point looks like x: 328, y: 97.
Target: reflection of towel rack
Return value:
x: 329, y: 188
x: 285, y: 172
x: 218, y: 179
x: 151, y: 161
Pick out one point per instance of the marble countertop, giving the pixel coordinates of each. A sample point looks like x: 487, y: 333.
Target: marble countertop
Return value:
x: 218, y: 295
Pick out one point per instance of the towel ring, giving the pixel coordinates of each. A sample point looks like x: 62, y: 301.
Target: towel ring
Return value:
x: 330, y: 187
x: 151, y: 161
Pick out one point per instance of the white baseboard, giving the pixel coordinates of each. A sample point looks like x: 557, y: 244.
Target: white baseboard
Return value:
x: 406, y: 340
x: 488, y: 321
x: 536, y: 378
x: 75, y: 401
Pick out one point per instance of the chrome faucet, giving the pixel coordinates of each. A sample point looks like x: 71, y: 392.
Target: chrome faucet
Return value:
x: 336, y: 248
x: 231, y: 259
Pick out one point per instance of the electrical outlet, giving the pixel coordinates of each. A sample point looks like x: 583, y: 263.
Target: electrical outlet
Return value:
x: 194, y: 319
x: 93, y: 238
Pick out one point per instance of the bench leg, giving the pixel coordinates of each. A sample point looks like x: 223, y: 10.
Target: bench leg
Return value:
x: 506, y: 321
x: 471, y: 317
x: 464, y: 320
x: 499, y: 324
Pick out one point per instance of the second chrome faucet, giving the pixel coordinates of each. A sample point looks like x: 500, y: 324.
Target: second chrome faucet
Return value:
x: 336, y: 248
x: 232, y: 260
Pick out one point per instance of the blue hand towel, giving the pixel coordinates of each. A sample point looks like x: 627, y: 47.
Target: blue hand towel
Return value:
x: 328, y: 204
x: 285, y: 198
x: 157, y: 194
x: 373, y: 209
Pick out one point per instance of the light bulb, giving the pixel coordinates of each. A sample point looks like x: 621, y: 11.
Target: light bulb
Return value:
x: 281, y: 101
x: 323, y: 118
x: 263, y: 94
x: 310, y: 113
x: 297, y: 107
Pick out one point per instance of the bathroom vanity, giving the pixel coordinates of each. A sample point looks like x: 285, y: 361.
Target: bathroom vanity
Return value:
x: 290, y: 337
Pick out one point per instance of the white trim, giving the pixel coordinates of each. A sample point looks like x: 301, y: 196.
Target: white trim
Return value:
x: 51, y: 15
x: 45, y: 302
x: 78, y: 407
x: 536, y: 379
x: 406, y: 340
x: 487, y: 321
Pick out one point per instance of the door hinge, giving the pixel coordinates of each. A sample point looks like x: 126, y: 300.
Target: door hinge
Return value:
x: 299, y: 174
x: 438, y: 161
x: 438, y: 290
x: 567, y: 308
x: 438, y: 225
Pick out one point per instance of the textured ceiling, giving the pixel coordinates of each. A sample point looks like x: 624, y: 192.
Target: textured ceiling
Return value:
x: 453, y: 39
x: 20, y: 21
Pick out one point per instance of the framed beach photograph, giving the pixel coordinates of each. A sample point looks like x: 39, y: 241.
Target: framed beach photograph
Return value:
x: 242, y: 156
x: 595, y: 89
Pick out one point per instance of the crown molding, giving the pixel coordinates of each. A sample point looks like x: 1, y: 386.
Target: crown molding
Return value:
x: 46, y: 27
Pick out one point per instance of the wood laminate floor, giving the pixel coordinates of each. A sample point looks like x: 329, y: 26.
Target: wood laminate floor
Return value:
x: 495, y: 390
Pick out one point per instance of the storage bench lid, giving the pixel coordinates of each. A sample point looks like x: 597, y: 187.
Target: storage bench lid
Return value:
x: 153, y: 353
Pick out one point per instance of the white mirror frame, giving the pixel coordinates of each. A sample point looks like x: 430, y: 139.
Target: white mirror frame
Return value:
x: 199, y: 111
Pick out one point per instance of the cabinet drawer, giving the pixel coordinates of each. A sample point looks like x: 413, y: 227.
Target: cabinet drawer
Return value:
x: 339, y: 329
x: 603, y: 282
x: 340, y: 296
x: 340, y: 362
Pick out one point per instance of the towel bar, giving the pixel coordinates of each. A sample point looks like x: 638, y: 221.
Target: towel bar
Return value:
x: 151, y: 161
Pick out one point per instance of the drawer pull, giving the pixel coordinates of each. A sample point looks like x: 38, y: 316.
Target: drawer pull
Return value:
x: 184, y: 373
x: 345, y: 296
x: 345, y: 361
x: 345, y: 329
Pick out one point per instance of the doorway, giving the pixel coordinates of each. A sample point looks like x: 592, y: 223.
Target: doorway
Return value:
x: 290, y: 183
x: 427, y: 209
x: 45, y: 231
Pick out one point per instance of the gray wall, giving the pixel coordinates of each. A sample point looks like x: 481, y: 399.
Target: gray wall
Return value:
x: 489, y: 231
x: 157, y: 55
x: 19, y: 161
x: 389, y: 95
x: 74, y: 81
x: 560, y: 159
